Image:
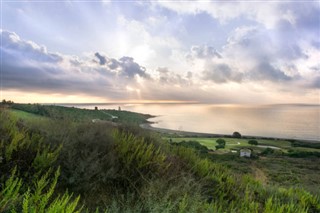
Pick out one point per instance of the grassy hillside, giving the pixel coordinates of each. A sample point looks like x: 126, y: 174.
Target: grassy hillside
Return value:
x: 67, y: 164
x: 82, y: 115
x: 285, y: 165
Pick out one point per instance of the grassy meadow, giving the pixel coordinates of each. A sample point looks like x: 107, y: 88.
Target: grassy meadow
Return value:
x: 56, y: 159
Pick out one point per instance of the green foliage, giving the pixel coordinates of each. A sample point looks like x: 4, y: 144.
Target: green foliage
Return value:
x: 89, y: 165
x: 221, y: 143
x: 302, y: 154
x: 39, y: 199
x: 136, y: 153
x: 253, y: 142
x: 236, y: 135
x: 267, y: 151
x: 305, y: 144
x: 10, y: 192
x: 192, y: 144
x: 125, y: 169
x: 23, y: 149
x: 219, y: 147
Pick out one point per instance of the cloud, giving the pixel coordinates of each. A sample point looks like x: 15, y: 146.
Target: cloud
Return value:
x: 102, y: 60
x: 221, y: 73
x: 303, y: 14
x: 265, y: 71
x: 202, y: 52
x: 12, y: 43
x: 27, y: 66
x: 316, y: 83
x: 125, y: 66
x: 270, y: 37
x: 167, y: 77
x: 129, y: 68
x: 31, y: 68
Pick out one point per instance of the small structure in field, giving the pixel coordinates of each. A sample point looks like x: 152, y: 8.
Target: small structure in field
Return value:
x: 245, y: 152
x: 119, y: 108
x: 95, y: 108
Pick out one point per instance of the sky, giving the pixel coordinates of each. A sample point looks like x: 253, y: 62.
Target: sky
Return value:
x: 226, y: 52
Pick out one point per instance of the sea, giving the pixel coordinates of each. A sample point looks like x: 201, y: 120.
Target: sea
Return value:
x: 291, y: 121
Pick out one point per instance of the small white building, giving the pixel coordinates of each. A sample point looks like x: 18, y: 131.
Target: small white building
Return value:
x: 245, y: 153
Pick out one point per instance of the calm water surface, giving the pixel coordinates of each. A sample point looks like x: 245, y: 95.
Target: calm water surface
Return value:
x: 286, y: 121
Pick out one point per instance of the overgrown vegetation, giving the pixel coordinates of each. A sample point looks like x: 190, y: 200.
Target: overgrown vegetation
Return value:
x: 67, y: 166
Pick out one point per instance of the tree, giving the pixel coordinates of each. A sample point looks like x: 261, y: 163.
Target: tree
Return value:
x: 236, y: 135
x: 253, y: 142
x: 219, y: 147
x: 221, y: 143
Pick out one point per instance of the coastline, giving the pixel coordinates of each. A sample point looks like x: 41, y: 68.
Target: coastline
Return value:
x: 181, y: 133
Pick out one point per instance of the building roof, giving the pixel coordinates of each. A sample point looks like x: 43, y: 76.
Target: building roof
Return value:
x: 245, y: 150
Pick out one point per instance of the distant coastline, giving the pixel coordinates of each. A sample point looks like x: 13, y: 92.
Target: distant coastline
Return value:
x: 262, y: 115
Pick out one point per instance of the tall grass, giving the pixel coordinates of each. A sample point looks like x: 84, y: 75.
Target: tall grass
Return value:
x: 115, y: 169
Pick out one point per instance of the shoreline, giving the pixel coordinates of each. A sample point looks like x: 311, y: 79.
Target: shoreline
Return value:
x: 181, y: 133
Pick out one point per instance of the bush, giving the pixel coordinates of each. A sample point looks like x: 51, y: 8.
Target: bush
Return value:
x: 253, y: 142
x: 194, y: 145
x: 221, y: 142
x: 302, y: 154
x: 219, y: 147
x: 267, y: 151
x: 15, y: 197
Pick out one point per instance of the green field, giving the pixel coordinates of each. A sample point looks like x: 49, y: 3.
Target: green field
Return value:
x: 26, y: 115
x: 236, y: 143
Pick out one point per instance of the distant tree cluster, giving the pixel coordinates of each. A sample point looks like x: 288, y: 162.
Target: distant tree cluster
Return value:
x: 4, y: 101
x: 236, y: 135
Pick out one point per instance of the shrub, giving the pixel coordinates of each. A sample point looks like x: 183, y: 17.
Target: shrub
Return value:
x: 221, y: 142
x: 253, y: 142
x: 27, y: 151
x: 267, y: 151
x: 15, y: 198
x: 194, y: 145
x: 219, y: 147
